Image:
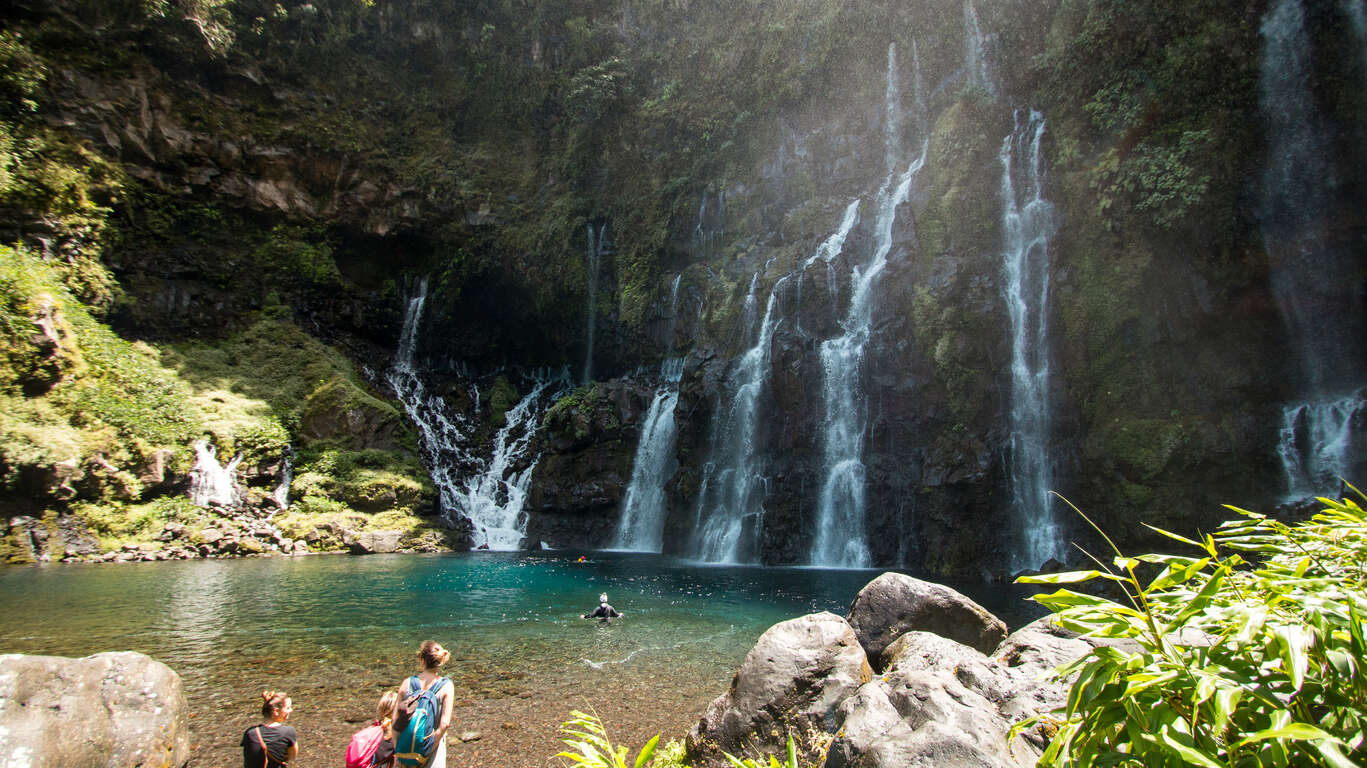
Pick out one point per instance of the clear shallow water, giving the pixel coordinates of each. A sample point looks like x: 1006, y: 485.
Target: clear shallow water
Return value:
x: 334, y: 631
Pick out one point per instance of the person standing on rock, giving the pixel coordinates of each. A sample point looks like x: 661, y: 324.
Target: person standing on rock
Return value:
x: 603, y: 612
x: 430, y: 658
x: 272, y: 744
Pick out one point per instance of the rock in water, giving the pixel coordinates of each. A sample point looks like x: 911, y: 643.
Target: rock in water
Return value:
x: 112, y: 710
x: 894, y: 604
x: 794, y: 678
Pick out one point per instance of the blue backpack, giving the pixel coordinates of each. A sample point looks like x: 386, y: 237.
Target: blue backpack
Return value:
x: 418, y: 717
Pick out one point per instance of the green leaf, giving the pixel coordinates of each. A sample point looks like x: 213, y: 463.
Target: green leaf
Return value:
x: 647, y: 751
x: 1293, y: 731
x: 1071, y: 577
x: 1330, y: 751
x: 1181, y: 744
x: 1173, y: 536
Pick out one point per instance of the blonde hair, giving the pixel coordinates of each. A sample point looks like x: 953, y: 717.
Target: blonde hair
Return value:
x: 432, y: 655
x: 274, y: 702
x: 384, y: 712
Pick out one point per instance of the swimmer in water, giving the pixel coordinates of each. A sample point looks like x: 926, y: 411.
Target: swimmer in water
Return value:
x: 604, y: 612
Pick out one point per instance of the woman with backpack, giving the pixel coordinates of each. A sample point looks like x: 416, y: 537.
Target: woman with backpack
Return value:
x: 423, y: 715
x: 271, y: 744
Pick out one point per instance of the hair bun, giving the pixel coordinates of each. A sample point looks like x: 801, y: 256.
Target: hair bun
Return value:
x: 268, y: 695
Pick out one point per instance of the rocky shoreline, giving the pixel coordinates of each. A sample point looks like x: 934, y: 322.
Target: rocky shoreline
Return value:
x: 916, y: 673
x: 243, y: 532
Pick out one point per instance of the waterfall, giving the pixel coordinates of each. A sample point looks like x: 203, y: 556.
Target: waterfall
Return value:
x: 641, y: 527
x: 493, y: 499
x: 730, y: 512
x: 976, y: 68
x: 212, y: 483
x: 1356, y: 10
x: 1027, y: 225
x: 1318, y: 443
x: 673, y: 312
x: 489, y: 494
x: 442, y: 434
x: 1322, y: 436
x: 841, y: 539
x: 282, y: 489
x: 597, y: 246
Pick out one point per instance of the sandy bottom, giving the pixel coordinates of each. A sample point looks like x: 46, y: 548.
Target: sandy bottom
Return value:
x: 512, y: 715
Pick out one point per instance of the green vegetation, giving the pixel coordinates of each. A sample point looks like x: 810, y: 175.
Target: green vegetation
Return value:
x: 1240, y: 662
x: 585, y: 734
x: 588, y: 737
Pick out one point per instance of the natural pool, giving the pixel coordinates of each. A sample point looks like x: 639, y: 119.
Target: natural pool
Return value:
x: 334, y: 631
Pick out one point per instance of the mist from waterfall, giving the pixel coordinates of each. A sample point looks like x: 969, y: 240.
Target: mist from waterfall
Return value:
x: 488, y: 494
x: 1322, y: 436
x: 641, y: 525
x: 1027, y: 225
x: 841, y: 539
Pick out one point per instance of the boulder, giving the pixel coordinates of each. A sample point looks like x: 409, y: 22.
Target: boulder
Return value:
x: 894, y: 604
x: 110, y: 710
x: 794, y: 678
x: 944, y: 704
x: 937, y: 705
x: 374, y: 542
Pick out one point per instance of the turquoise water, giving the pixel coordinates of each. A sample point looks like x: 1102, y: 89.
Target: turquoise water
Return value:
x: 337, y: 630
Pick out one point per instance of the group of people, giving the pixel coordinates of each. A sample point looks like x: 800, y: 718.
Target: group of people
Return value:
x: 275, y: 744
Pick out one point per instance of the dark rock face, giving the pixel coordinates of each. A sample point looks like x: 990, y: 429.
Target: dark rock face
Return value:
x: 117, y: 710
x: 588, y: 442
x: 894, y: 604
x: 792, y: 680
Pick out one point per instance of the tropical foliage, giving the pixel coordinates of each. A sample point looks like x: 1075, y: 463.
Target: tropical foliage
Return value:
x: 1249, y: 652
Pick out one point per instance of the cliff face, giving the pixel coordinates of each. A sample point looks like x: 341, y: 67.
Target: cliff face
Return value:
x: 669, y: 180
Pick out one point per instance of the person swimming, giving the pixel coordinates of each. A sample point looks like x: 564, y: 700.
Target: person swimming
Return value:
x: 604, y: 612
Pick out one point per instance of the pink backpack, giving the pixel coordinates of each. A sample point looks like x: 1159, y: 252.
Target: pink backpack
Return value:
x: 363, y: 745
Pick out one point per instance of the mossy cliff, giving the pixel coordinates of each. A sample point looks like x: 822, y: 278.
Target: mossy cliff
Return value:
x: 220, y: 207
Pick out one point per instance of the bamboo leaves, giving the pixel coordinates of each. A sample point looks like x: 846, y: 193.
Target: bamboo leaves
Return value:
x: 1249, y: 654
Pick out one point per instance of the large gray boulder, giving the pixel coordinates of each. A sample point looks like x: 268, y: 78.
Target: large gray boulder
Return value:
x: 894, y: 604
x: 944, y: 704
x: 794, y: 678
x: 112, y: 710
x: 937, y: 705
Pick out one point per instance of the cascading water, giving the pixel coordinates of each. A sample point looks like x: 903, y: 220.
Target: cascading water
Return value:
x: 1323, y: 434
x: 641, y: 527
x: 976, y: 68
x: 442, y: 434
x: 493, y: 499
x: 282, y: 489
x: 730, y: 512
x: 1027, y: 225
x: 489, y: 494
x: 841, y: 540
x: 597, y: 246
x: 212, y: 483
